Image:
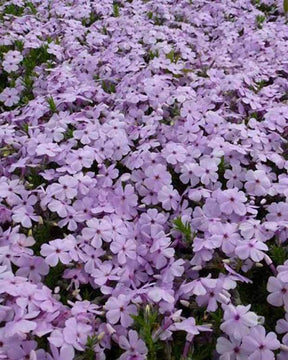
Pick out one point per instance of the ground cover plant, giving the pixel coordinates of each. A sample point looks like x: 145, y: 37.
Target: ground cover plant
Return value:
x: 143, y: 179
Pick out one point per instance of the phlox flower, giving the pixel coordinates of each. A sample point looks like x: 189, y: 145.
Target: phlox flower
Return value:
x: 257, y: 183
x: 259, y: 345
x: 133, y: 346
x: 251, y: 248
x: 120, y: 309
x: 57, y: 250
x: 230, y: 349
x: 278, y: 292
x: 238, y: 320
x: 232, y: 200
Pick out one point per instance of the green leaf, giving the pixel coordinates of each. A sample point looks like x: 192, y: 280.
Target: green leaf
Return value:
x: 278, y: 254
x: 31, y: 7
x: 52, y: 105
x: 116, y: 11
x: 12, y: 9
x: 184, y: 229
x: 146, y: 322
x: 285, y: 6
x: 108, y: 87
x: 260, y: 20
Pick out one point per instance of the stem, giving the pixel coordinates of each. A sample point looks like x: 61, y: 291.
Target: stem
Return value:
x: 187, y: 346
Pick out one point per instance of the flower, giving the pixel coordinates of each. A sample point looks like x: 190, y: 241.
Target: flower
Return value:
x: 207, y: 171
x: 238, y: 320
x: 133, y: 345
x: 251, y: 248
x: 124, y: 249
x: 174, y: 153
x: 9, y: 96
x: 11, y: 60
x: 230, y: 349
x: 118, y: 309
x: 260, y: 345
x: 169, y: 197
x: 232, y: 200
x: 76, y: 332
x: 58, y: 250
x: 279, y: 292
x: 257, y: 183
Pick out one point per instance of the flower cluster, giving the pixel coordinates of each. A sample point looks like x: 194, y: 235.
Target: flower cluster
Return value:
x: 143, y: 179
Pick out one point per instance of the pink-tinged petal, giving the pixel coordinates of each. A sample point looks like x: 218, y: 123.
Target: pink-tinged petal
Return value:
x: 124, y: 343
x: 274, y: 284
x: 126, y: 320
x: 113, y: 316
x: 67, y: 353
x: 275, y: 299
x: 52, y: 260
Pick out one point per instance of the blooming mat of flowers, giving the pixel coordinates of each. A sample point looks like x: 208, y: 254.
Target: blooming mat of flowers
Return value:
x: 144, y: 184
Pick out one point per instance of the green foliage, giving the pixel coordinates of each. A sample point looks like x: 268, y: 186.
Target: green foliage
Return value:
x: 27, y: 93
x: 13, y: 9
x: 150, y: 15
x: 256, y: 293
x: 32, y: 8
x: 34, y: 178
x: 278, y: 254
x: 116, y: 12
x: 260, y: 20
x: 43, y: 233
x: 52, y: 105
x: 285, y: 6
x: 150, y: 55
x: 173, y: 56
x: 108, y: 87
x: 89, y: 353
x: 221, y: 171
x: 91, y: 20
x: 146, y: 322
x: 69, y: 133
x: 25, y: 128
x: 184, y: 229
x: 36, y: 57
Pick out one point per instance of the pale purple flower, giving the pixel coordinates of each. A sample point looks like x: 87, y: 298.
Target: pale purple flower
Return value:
x: 190, y: 327
x: 259, y: 345
x: 238, y: 320
x: 224, y: 236
x: 57, y: 250
x: 278, y: 292
x: 123, y: 249
x: 232, y: 200
x: 132, y: 345
x: 174, y: 153
x: 157, y: 294
x: 169, y: 197
x: 257, y: 183
x: 207, y: 171
x: 189, y: 173
x: 11, y: 60
x: 277, y: 211
x: 76, y: 332
x: 156, y: 177
x: 230, y: 349
x: 9, y: 96
x: 251, y: 248
x: 235, y: 177
x: 120, y: 309
x: 125, y: 200
x: 32, y: 267
x: 104, y: 273
x: 66, y: 188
